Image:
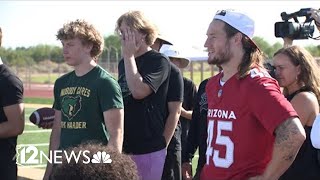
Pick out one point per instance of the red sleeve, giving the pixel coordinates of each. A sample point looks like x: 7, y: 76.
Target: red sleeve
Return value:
x: 267, y: 102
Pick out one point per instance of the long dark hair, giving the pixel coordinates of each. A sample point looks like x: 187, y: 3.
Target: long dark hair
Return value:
x: 310, y: 71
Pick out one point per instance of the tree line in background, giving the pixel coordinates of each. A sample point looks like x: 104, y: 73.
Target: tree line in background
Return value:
x: 22, y: 56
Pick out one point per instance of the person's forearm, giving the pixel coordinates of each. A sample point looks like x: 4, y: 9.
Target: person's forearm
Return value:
x: 287, y: 42
x: 315, y: 14
x: 116, y: 139
x: 290, y: 136
x: 54, y: 141
x: 192, y: 141
x: 172, y: 120
x: 134, y: 80
x: 114, y: 121
x: 54, y: 145
x: 8, y: 129
x: 186, y: 114
x: 170, y: 126
x: 15, y: 121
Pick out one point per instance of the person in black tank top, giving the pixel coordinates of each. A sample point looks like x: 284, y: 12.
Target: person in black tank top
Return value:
x: 299, y: 75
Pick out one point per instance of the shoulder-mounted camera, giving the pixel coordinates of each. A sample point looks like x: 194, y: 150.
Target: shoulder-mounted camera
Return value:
x: 296, y: 29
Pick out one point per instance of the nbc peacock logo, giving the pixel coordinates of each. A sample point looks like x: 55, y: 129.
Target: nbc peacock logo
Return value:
x: 101, y: 157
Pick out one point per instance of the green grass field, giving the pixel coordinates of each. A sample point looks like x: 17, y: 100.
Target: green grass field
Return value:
x: 197, y: 76
x: 32, y: 135
x: 44, y: 78
x: 38, y: 100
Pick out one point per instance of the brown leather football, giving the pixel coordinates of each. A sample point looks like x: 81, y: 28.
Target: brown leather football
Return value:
x: 42, y: 117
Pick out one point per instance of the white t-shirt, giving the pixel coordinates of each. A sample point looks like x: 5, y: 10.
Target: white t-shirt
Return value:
x: 315, y: 133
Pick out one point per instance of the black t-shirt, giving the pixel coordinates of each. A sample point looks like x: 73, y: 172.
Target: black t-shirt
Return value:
x: 145, y: 119
x: 198, y: 128
x: 175, y: 93
x: 11, y: 92
x: 190, y: 91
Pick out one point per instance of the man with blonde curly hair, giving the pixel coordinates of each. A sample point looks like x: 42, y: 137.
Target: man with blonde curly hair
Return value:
x: 87, y: 101
x: 144, y: 79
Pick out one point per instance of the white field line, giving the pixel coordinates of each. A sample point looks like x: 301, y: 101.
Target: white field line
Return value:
x: 29, y: 124
x: 39, y: 144
x: 26, y: 105
x: 36, y: 131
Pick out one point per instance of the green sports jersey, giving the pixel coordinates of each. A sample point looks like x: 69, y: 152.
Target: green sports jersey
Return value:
x: 82, y: 101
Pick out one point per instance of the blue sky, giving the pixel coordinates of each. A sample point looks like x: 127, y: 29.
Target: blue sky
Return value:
x: 28, y: 23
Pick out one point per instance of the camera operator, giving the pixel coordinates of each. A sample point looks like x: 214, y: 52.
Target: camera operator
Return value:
x: 298, y: 73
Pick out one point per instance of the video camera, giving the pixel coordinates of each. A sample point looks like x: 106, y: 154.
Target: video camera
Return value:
x: 270, y: 68
x: 295, y: 30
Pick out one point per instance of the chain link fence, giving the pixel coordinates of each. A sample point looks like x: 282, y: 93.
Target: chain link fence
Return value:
x: 46, y: 72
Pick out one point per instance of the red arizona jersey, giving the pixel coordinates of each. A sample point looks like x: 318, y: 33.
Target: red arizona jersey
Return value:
x: 242, y: 117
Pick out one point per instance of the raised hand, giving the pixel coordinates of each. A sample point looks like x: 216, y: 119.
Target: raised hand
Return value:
x: 130, y: 44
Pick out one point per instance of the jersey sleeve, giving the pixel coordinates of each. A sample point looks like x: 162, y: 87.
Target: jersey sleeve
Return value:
x: 195, y: 127
x: 267, y: 102
x: 156, y: 72
x: 109, y: 94
x: 13, y: 92
x: 175, y: 90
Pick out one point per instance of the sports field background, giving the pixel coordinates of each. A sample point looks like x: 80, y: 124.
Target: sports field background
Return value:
x: 32, y: 135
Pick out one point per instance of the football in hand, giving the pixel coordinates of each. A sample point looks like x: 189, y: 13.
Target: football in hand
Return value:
x: 43, y: 117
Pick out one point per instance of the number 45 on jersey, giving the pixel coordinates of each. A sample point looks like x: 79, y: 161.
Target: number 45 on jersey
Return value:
x: 220, y: 140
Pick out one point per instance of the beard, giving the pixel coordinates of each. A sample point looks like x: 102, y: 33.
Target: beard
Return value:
x: 221, y: 57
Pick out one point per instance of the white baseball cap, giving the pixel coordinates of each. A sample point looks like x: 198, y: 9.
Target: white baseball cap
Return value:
x: 239, y: 21
x: 172, y: 52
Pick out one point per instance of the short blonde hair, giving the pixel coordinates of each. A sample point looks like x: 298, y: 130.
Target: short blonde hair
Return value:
x: 86, y: 32
x: 138, y: 21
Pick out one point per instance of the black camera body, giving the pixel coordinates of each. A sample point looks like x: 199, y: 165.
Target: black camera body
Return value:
x: 271, y: 69
x: 295, y: 30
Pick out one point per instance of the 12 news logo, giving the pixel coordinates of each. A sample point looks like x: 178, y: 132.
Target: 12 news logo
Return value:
x: 30, y: 155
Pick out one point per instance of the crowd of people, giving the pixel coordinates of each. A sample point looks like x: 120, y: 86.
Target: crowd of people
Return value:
x: 246, y: 124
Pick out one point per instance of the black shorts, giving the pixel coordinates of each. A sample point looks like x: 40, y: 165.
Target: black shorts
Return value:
x: 172, y: 165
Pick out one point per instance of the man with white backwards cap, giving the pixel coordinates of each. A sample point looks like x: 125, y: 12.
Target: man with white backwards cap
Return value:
x: 253, y: 132
x: 178, y: 143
